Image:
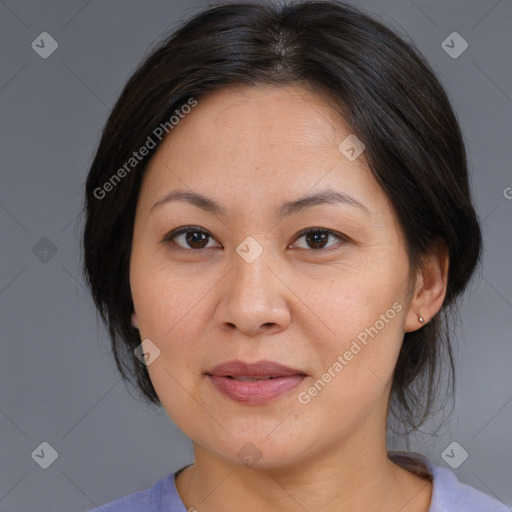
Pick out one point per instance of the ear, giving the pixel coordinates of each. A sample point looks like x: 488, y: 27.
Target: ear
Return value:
x: 134, y: 320
x: 430, y: 288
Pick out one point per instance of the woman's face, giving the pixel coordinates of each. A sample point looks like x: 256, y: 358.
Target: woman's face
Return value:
x: 245, y: 283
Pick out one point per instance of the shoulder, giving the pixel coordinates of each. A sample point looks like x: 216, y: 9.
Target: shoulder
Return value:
x: 448, y: 494
x: 451, y: 495
x: 162, y: 495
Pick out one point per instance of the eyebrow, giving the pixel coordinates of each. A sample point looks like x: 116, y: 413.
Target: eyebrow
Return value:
x: 285, y: 209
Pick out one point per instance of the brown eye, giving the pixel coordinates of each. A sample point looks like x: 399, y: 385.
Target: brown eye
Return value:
x: 317, y: 239
x: 190, y: 238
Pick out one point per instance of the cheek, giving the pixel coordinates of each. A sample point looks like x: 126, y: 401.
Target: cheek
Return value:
x: 164, y: 298
x: 169, y: 308
x: 355, y: 373
x: 366, y: 346
x: 359, y: 296
x: 364, y: 308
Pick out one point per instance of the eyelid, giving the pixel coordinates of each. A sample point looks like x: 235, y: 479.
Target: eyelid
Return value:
x: 306, y: 231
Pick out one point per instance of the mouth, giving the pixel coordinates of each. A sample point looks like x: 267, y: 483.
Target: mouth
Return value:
x: 245, y: 378
x: 254, y: 383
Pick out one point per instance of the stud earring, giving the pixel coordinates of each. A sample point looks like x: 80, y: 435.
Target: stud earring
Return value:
x: 421, y: 319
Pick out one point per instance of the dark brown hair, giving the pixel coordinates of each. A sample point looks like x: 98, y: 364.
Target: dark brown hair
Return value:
x: 386, y: 92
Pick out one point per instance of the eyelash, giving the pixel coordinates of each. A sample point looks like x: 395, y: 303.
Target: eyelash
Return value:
x: 191, y: 229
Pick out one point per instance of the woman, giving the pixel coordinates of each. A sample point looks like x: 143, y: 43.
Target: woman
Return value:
x: 278, y: 221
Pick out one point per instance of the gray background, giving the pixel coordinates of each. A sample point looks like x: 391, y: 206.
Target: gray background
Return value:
x: 57, y: 375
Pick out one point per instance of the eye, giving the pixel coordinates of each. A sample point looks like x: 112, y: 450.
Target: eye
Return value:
x: 317, y: 238
x: 195, y: 238
x: 190, y: 237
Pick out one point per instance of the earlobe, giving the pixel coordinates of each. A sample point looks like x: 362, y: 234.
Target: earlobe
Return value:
x: 430, y: 288
x: 134, y: 320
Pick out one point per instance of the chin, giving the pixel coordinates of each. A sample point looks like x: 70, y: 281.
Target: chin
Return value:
x: 258, y: 452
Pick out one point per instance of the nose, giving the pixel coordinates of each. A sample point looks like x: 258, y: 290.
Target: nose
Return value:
x: 254, y: 298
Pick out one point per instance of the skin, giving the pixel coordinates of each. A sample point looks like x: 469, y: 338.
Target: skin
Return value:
x: 251, y: 149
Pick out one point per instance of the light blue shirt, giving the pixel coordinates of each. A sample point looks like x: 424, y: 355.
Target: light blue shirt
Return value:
x: 448, y: 495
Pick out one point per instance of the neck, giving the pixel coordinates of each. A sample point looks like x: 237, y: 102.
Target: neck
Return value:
x: 353, y: 475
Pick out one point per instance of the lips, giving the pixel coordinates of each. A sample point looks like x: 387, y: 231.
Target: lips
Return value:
x: 254, y: 383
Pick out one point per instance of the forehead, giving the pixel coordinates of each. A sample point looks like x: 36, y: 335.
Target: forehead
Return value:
x: 264, y: 117
x: 264, y: 140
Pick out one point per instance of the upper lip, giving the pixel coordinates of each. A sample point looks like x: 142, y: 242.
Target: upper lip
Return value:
x: 238, y: 368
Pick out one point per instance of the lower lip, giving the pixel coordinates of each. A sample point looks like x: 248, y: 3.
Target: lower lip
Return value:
x: 255, y: 392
